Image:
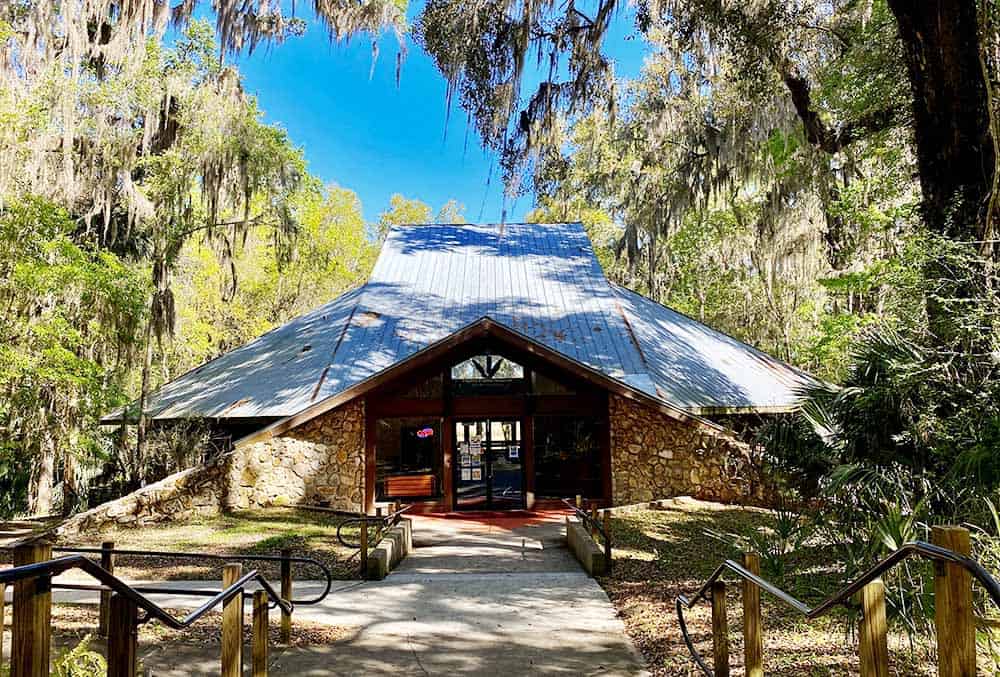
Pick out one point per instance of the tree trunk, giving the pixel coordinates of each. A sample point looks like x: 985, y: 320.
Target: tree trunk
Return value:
x: 951, y: 119
x: 40, y: 488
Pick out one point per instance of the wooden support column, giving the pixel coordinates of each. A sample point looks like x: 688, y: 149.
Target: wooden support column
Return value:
x: 363, y: 558
x: 873, y: 649
x: 286, y: 594
x: 123, y: 635
x: 720, y: 630
x: 956, y: 631
x: 370, y: 462
x: 528, y: 456
x: 259, y: 649
x: 108, y: 564
x: 32, y: 624
x: 753, y: 641
x: 232, y: 624
x: 448, y: 463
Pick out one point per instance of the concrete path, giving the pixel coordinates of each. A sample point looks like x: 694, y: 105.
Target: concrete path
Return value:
x: 484, y: 597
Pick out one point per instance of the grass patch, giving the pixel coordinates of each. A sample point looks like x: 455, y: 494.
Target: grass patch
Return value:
x: 660, y: 554
x: 255, y: 532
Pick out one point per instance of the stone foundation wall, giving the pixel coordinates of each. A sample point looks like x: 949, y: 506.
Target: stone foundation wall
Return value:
x: 655, y: 456
x: 320, y: 462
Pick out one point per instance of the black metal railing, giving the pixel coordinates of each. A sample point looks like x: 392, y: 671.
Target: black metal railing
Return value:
x: 593, y: 526
x: 841, y: 597
x: 380, y: 524
x: 285, y: 560
x: 54, y: 567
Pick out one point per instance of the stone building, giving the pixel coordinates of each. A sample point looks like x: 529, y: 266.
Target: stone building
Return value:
x: 480, y: 367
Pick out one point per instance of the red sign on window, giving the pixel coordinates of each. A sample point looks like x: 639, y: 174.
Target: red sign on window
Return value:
x: 424, y: 433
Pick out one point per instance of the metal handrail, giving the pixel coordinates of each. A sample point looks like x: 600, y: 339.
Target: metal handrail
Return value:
x: 59, y: 565
x: 383, y: 522
x: 327, y: 574
x: 588, y: 522
x: 841, y: 597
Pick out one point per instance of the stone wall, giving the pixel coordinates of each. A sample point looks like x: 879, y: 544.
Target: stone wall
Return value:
x: 656, y: 456
x: 320, y: 462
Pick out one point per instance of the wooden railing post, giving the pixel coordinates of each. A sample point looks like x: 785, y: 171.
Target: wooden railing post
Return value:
x: 607, y: 540
x: 364, y: 549
x: 720, y: 629
x: 593, y: 521
x: 953, y: 616
x: 579, y: 501
x: 3, y: 595
x: 232, y: 624
x: 286, y: 594
x: 258, y: 650
x: 123, y: 635
x: 108, y: 564
x: 753, y: 641
x: 873, y: 650
x: 32, y: 623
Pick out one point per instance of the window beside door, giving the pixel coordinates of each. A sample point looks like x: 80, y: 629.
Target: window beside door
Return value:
x: 407, y: 458
x: 568, y: 458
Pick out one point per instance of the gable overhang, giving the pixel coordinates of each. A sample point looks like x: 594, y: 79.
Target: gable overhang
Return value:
x: 483, y: 328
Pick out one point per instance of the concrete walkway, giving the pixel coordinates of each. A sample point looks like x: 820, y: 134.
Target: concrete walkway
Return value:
x: 477, y: 597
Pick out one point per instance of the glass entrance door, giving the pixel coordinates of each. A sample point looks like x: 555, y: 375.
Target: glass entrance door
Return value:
x: 488, y: 464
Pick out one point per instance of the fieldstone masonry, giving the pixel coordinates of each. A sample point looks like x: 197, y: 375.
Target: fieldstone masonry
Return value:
x: 322, y: 461
x: 655, y: 456
x: 319, y: 462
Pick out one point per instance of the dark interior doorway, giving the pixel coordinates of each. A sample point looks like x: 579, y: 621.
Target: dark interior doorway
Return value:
x: 488, y: 464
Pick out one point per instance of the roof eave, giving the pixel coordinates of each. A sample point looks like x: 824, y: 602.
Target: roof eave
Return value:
x: 482, y: 327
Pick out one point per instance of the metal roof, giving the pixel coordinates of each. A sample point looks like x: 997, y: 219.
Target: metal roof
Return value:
x: 540, y: 280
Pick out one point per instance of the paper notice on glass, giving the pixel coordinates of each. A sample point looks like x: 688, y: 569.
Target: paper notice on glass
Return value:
x: 465, y: 459
x: 476, y: 447
x: 477, y: 474
x: 463, y: 447
x: 466, y: 474
x: 514, y: 451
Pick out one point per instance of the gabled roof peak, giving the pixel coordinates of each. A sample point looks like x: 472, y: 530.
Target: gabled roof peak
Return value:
x: 541, y: 281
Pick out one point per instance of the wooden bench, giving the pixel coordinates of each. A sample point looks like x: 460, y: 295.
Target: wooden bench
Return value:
x: 410, y: 485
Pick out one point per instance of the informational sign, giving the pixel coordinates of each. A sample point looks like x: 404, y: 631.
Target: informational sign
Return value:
x: 514, y: 451
x: 476, y: 447
x: 466, y: 474
x: 476, y: 461
x: 465, y: 459
x: 477, y: 474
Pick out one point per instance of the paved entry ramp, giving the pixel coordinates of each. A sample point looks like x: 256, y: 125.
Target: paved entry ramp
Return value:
x: 482, y: 595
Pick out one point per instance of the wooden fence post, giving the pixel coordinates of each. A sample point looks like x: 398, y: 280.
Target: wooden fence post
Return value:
x: 232, y: 624
x: 956, y: 631
x: 286, y: 594
x: 593, y: 521
x: 108, y: 564
x: 873, y: 649
x: 32, y: 624
x: 607, y: 540
x: 720, y: 629
x: 258, y: 651
x: 579, y: 501
x: 123, y: 635
x: 3, y: 595
x: 364, y: 549
x: 753, y: 641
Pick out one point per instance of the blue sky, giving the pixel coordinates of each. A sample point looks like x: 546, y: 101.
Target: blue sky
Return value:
x: 367, y: 134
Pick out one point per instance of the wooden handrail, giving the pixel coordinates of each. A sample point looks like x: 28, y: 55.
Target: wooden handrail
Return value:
x: 953, y: 564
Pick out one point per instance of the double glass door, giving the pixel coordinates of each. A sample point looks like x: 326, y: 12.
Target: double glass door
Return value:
x: 488, y: 464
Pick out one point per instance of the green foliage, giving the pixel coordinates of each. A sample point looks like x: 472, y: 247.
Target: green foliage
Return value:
x: 68, y: 333
x: 80, y: 661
